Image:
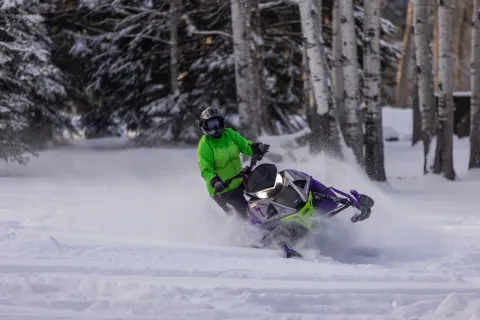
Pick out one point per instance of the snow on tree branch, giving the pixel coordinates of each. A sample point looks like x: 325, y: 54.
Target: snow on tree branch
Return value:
x: 268, y: 5
x: 9, y: 4
x: 192, y: 29
x: 32, y: 93
x: 122, y: 48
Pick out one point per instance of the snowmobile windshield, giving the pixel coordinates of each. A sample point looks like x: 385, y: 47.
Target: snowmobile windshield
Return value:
x: 264, y: 182
x: 272, y: 191
x: 289, y: 197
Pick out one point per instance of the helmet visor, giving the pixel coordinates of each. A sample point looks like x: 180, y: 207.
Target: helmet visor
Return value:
x: 212, y: 124
x: 213, y: 127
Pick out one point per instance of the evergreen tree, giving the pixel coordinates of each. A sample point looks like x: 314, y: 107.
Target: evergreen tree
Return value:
x: 32, y: 95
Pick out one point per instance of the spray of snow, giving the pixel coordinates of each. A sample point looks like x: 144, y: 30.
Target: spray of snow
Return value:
x: 143, y: 195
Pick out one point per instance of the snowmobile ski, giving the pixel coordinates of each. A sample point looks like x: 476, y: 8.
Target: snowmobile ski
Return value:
x: 290, y: 253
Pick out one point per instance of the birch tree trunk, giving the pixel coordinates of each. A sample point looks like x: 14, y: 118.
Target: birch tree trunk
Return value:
x: 256, y: 69
x: 374, y: 154
x: 325, y: 135
x: 423, y: 55
x: 242, y: 53
x: 444, y: 151
x: 338, y: 81
x: 174, y: 19
x: 307, y: 87
x: 433, y: 14
x: 474, y: 161
x: 350, y: 73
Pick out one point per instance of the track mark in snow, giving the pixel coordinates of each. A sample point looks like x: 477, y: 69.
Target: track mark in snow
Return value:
x: 59, y: 273
x: 133, y: 297
x: 180, y: 284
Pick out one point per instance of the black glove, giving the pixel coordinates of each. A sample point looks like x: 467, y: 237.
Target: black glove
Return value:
x: 217, y: 183
x: 219, y: 186
x: 259, y: 148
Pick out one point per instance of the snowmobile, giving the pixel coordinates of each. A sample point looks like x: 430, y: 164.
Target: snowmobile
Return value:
x: 289, y: 205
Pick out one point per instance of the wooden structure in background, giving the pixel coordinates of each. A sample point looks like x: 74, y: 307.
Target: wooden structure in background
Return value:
x: 403, y: 89
x: 461, y: 46
x: 461, y: 114
x: 462, y: 53
x: 461, y: 49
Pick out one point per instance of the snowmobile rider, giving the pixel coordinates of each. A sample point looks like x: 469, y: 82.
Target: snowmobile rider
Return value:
x: 218, y: 154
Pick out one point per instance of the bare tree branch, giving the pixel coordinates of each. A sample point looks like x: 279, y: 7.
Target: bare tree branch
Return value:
x: 192, y: 29
x: 272, y: 4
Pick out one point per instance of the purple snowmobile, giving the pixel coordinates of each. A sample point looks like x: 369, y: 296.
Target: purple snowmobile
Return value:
x: 289, y: 204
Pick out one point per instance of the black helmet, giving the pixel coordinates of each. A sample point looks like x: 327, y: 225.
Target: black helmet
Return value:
x: 212, y: 122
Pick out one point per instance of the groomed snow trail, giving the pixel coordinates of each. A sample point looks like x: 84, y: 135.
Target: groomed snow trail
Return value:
x: 112, y: 235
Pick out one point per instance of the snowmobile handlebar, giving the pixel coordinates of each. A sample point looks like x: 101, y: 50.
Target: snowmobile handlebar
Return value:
x: 346, y: 202
x: 365, y: 204
x: 246, y: 170
x: 362, y: 202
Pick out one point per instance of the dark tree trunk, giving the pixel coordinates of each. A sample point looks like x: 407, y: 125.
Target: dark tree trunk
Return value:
x: 417, y: 119
x: 374, y: 148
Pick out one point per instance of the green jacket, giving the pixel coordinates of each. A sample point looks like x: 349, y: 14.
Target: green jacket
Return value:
x: 222, y: 157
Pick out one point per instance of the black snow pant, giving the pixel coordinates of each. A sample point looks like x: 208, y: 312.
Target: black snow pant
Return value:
x: 236, y: 199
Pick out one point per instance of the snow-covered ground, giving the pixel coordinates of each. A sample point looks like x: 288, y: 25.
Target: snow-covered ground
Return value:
x: 131, y: 234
